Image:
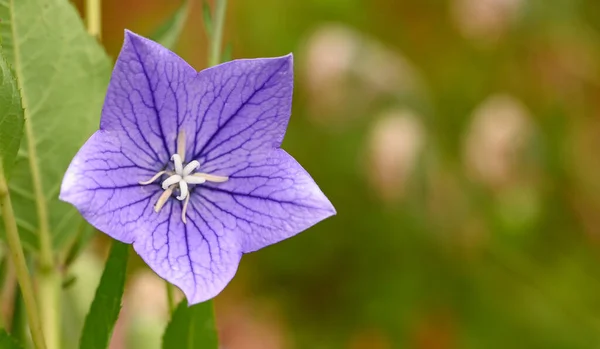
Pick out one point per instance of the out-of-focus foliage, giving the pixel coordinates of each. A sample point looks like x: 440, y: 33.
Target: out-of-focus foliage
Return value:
x: 168, y: 33
x: 458, y: 141
x: 191, y: 327
x: 8, y: 342
x: 11, y: 117
x: 104, y: 311
x: 62, y: 89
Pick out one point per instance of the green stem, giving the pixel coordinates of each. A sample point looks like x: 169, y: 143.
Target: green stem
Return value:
x: 93, y: 16
x: 18, y: 259
x: 49, y: 285
x: 214, y: 57
x: 170, y: 298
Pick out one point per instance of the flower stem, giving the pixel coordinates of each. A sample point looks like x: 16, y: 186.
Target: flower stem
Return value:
x: 18, y: 259
x: 170, y: 298
x: 49, y: 282
x: 214, y: 57
x: 93, y: 16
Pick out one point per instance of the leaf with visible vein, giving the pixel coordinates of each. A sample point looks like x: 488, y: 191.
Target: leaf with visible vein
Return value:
x: 192, y: 328
x: 62, y: 73
x: 106, y: 306
x: 7, y: 341
x: 168, y: 33
x: 11, y: 118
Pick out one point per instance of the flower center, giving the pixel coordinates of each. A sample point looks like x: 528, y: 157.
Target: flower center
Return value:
x: 181, y: 178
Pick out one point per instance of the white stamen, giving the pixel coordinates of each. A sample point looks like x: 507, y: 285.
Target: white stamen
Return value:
x: 211, y: 178
x: 181, y: 178
x: 194, y: 179
x: 183, y: 188
x: 171, y: 180
x: 191, y: 167
x: 184, y: 209
x: 163, y: 199
x: 151, y: 180
x: 178, y: 163
x: 181, y: 145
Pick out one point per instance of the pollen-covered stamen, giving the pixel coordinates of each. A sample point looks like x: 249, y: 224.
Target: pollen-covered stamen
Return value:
x: 151, y: 180
x: 162, y: 200
x: 211, y: 178
x: 181, y: 178
x: 181, y: 145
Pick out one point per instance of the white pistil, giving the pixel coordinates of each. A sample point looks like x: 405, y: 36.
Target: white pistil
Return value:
x: 182, y: 177
x: 183, y: 189
x: 194, y: 179
x: 174, y: 179
x: 184, y: 209
x: 191, y: 167
x: 178, y: 162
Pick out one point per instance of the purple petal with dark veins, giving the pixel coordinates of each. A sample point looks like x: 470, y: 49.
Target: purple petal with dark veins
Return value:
x: 269, y: 199
x: 199, y: 257
x: 102, y: 182
x: 147, y: 98
x: 239, y: 107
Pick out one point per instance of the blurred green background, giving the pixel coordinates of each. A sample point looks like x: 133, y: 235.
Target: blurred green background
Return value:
x: 459, y: 141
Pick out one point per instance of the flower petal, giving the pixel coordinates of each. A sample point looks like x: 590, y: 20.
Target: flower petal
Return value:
x: 102, y: 183
x: 198, y: 257
x: 269, y: 199
x: 147, y: 97
x: 238, y: 107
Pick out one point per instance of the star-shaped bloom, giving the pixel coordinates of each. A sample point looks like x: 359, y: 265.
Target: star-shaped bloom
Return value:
x: 187, y: 165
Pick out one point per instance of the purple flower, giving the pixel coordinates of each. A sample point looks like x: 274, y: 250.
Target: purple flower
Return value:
x: 187, y: 167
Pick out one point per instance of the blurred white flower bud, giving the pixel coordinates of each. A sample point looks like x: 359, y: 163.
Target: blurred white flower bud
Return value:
x: 330, y: 51
x: 498, y: 132
x: 485, y: 21
x: 395, y: 141
x: 346, y: 70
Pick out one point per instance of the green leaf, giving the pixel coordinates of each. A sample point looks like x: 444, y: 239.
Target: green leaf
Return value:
x: 168, y: 33
x: 8, y: 342
x: 62, y: 73
x: 81, y: 239
x: 207, y: 18
x: 11, y: 117
x: 106, y: 306
x: 192, y: 328
x: 18, y: 322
